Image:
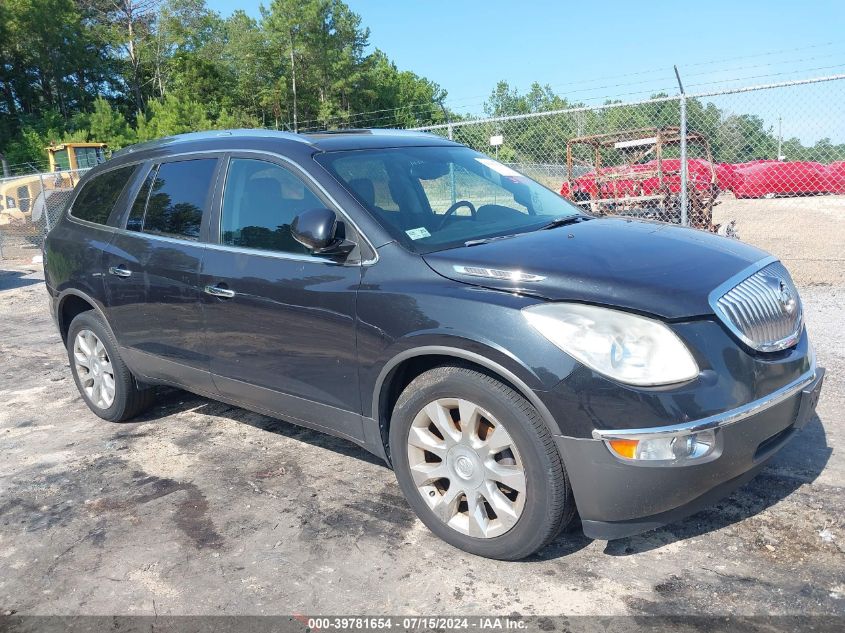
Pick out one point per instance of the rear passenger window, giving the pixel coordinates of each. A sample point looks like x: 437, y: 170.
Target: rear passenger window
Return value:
x: 178, y: 198
x: 99, y: 195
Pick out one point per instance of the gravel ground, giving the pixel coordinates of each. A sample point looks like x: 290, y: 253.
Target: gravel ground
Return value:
x: 807, y: 234
x: 203, y: 508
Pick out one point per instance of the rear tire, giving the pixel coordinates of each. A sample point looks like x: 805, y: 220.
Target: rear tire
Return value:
x: 104, y: 382
x: 478, y: 465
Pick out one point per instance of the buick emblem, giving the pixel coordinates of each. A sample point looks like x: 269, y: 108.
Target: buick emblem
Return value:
x: 783, y: 294
x: 787, y: 298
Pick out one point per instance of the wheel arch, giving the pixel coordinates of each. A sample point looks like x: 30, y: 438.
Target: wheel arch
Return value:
x: 400, y: 370
x: 72, y: 302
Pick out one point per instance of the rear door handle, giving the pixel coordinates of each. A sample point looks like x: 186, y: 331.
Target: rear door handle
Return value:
x: 219, y: 291
x: 120, y: 271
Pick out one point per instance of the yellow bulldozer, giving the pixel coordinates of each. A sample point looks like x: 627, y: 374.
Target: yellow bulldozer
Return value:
x: 26, y: 202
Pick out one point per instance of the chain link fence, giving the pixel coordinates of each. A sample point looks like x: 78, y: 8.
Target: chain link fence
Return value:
x: 674, y: 158
x: 29, y: 206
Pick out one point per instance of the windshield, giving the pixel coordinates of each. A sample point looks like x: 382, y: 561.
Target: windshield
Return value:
x: 434, y: 198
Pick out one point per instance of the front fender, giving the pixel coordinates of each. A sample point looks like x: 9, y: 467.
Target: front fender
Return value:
x: 497, y: 360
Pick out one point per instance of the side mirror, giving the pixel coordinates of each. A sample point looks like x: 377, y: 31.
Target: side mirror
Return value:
x: 317, y: 230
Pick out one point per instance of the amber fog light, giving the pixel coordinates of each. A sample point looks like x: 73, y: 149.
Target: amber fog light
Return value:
x: 665, y: 448
x: 624, y: 448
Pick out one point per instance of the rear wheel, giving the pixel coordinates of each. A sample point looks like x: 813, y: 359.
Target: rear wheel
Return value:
x: 478, y: 465
x: 105, y: 383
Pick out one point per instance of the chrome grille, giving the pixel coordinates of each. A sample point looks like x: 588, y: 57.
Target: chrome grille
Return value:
x: 763, y: 310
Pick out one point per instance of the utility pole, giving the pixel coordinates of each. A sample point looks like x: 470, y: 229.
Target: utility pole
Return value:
x: 780, y: 138
x: 293, y: 81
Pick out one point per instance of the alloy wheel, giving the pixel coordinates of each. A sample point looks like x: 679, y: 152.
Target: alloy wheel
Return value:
x: 94, y: 369
x: 467, y: 468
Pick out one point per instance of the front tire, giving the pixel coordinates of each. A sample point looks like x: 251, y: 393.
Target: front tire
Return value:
x: 103, y: 379
x: 478, y: 465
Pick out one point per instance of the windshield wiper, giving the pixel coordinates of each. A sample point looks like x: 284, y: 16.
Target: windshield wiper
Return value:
x: 571, y: 219
x: 487, y: 240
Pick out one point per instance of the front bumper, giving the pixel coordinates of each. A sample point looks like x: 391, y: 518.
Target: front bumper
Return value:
x: 617, y: 497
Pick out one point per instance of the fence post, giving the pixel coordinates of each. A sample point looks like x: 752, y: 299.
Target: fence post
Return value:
x: 450, y: 131
x: 684, y: 166
x: 45, y: 211
x: 682, y: 97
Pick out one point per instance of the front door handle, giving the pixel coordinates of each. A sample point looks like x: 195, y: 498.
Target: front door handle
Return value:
x: 120, y: 271
x: 219, y: 291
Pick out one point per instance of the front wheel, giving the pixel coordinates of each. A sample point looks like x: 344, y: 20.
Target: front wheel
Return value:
x: 478, y: 465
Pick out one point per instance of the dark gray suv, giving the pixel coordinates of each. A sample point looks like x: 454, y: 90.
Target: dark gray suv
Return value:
x: 513, y: 359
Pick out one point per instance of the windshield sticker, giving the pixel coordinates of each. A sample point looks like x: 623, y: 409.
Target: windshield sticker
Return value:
x: 502, y: 170
x: 418, y: 234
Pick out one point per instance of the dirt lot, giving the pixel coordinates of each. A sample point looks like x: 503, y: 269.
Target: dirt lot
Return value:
x: 202, y: 508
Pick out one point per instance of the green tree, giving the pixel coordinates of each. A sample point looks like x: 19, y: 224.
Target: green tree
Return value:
x: 107, y: 125
x: 172, y: 115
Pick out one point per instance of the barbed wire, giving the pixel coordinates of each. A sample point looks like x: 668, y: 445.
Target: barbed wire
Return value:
x: 766, y: 76
x: 661, y: 69
x: 477, y: 102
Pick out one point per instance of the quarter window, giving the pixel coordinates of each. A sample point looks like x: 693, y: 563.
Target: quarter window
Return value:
x: 261, y: 200
x: 136, y: 214
x: 179, y: 198
x: 99, y: 195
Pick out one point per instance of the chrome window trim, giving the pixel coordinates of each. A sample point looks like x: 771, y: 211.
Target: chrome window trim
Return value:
x: 730, y: 284
x: 223, y: 152
x: 275, y: 254
x: 162, y: 238
x: 719, y: 420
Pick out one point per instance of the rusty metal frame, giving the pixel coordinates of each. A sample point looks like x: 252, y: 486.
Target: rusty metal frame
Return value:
x: 664, y: 136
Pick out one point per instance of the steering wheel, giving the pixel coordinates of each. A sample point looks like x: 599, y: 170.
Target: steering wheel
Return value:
x: 451, y: 210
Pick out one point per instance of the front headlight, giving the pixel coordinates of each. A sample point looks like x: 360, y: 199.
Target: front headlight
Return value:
x: 625, y: 347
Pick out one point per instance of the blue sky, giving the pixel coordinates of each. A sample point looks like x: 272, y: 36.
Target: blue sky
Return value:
x: 592, y: 50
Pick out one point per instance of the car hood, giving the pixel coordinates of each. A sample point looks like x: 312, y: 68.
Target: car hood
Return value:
x: 647, y: 267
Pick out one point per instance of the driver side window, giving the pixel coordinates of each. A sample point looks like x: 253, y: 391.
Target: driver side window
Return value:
x: 467, y: 186
x: 260, y: 201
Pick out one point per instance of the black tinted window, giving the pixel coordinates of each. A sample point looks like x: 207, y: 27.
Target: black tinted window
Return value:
x: 178, y: 198
x: 99, y: 195
x: 136, y: 214
x: 260, y: 202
